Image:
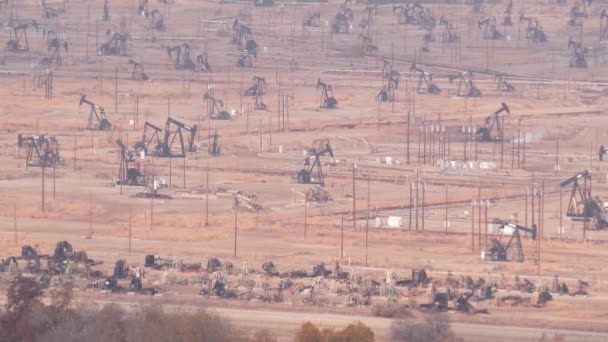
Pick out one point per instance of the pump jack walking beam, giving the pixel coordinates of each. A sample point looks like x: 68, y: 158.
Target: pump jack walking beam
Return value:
x: 97, y: 117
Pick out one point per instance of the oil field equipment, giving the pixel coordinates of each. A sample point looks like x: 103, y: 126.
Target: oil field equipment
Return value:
x: 503, y: 85
x: 327, y: 100
x: 214, y: 148
x: 493, y: 122
x: 97, y: 116
x: 115, y: 45
x: 312, y: 163
x: 488, y: 26
x: 425, y: 82
x: 127, y: 174
x: 257, y: 88
x: 449, y: 32
x: 181, y: 55
x: 42, y: 151
x: 18, y: 41
x: 216, y: 109
x: 577, y: 55
x: 534, y: 32
x: 313, y: 19
x: 500, y: 251
x: 469, y: 88
x: 582, y: 205
x: 138, y: 73
x: 343, y: 19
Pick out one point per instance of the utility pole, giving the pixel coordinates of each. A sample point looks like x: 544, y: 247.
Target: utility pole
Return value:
x: 15, y: 217
x: 207, y: 197
x: 152, y: 192
x: 90, y: 215
x: 130, y: 217
x: 367, y: 221
x: 43, y: 168
x: 342, y: 238
x: 235, y: 208
x: 354, y: 199
x: 305, y: 213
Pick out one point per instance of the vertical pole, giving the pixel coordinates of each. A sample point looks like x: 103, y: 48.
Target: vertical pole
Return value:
x: 15, y: 217
x: 184, y: 172
x: 423, y: 197
x: 479, y: 216
x: 236, y: 210
x: 557, y: 154
x: 170, y: 169
x: 43, y: 168
x: 408, y: 138
x: 561, y: 203
x: 207, y: 197
x: 354, y: 200
x: 75, y: 154
x: 446, y: 208
x: 532, y: 204
x: 90, y: 215
x: 152, y: 192
x: 473, y: 225
x: 485, y: 215
x: 305, y: 214
x: 130, y: 219
x: 115, y: 90
x: 367, y: 221
x: 410, y: 219
x: 342, y: 238
x: 526, y: 206
x: 53, y: 181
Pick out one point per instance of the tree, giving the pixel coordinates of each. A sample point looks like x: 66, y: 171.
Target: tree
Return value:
x: 434, y: 328
x: 22, y: 298
x: 308, y: 333
x: 358, y: 332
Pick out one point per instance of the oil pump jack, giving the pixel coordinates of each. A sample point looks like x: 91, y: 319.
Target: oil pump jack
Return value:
x: 577, y: 55
x: 50, y: 12
x: 581, y: 204
x: 116, y: 44
x: 157, y: 21
x: 391, y: 82
x: 203, y: 62
x: 489, y: 29
x: 368, y: 46
x: 312, y: 163
x: 142, y: 8
x: 259, y: 104
x: 313, y: 19
x: 243, y: 37
x: 534, y: 32
x: 449, y: 32
x: 244, y: 60
x: 500, y: 252
x: 508, y: 10
x: 465, y: 78
x: 97, y: 116
x: 327, y: 100
x: 160, y: 142
x: 42, y: 151
x: 603, y: 25
x: 343, y: 19
x: 127, y: 174
x: 106, y: 10
x: 183, y: 61
x: 484, y: 133
x: 425, y: 82
x: 216, y: 108
x: 367, y: 23
x: 503, y: 85
x: 18, y: 37
x: 579, y: 10
x: 138, y: 73
x: 214, y: 148
x: 54, y: 45
x: 257, y: 88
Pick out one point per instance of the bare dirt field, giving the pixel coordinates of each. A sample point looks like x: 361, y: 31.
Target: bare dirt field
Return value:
x: 406, y: 158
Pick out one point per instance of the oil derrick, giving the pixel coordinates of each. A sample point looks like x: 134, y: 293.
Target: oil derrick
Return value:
x: 203, y: 63
x: 534, y: 32
x: 582, y: 205
x: 490, y: 32
x: 18, y: 41
x: 157, y: 21
x: 181, y: 53
x: 390, y: 80
x: 263, y: 3
x: 142, y: 8
x: 342, y: 22
x: 508, y: 10
x: 493, y: 122
x: 313, y: 19
x: 259, y: 104
x: 312, y: 163
x: 42, y: 151
x: 138, y: 73
x: 469, y: 88
x: 257, y: 88
x: 368, y: 46
x: 449, y: 32
x: 214, y: 148
x: 50, y: 12
x: 603, y: 25
x: 503, y: 85
x: 54, y: 46
x: 425, y: 82
x: 500, y: 251
x: 577, y: 55
x: 97, y: 116
x: 115, y: 45
x: 127, y: 174
x: 106, y: 10
x: 216, y: 108
x: 327, y: 100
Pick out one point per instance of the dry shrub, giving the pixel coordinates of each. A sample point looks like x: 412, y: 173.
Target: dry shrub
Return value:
x: 433, y: 328
x: 391, y: 310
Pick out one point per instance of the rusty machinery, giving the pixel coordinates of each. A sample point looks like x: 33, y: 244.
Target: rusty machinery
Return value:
x: 54, y: 45
x: 157, y: 21
x: 502, y: 84
x: 214, y: 148
x: 138, y: 73
x: 115, y: 45
x: 259, y: 104
x: 97, y: 116
x: 127, y: 174
x: 390, y: 80
x: 216, y: 109
x: 50, y: 12
x: 425, y: 82
x: 367, y: 44
x: 160, y: 143
x: 327, y: 100
x: 42, y: 151
x: 582, y: 205
x: 313, y: 19
x: 106, y: 10
x: 508, y: 10
x: 18, y: 37
x: 263, y: 3
x: 577, y: 55
x: 603, y: 25
x: 342, y: 22
x: 465, y: 78
x: 181, y: 53
x: 488, y: 26
x: 500, y: 251
x: 257, y: 88
x: 534, y: 32
x: 494, y: 120
x: 449, y: 32
x: 312, y: 163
